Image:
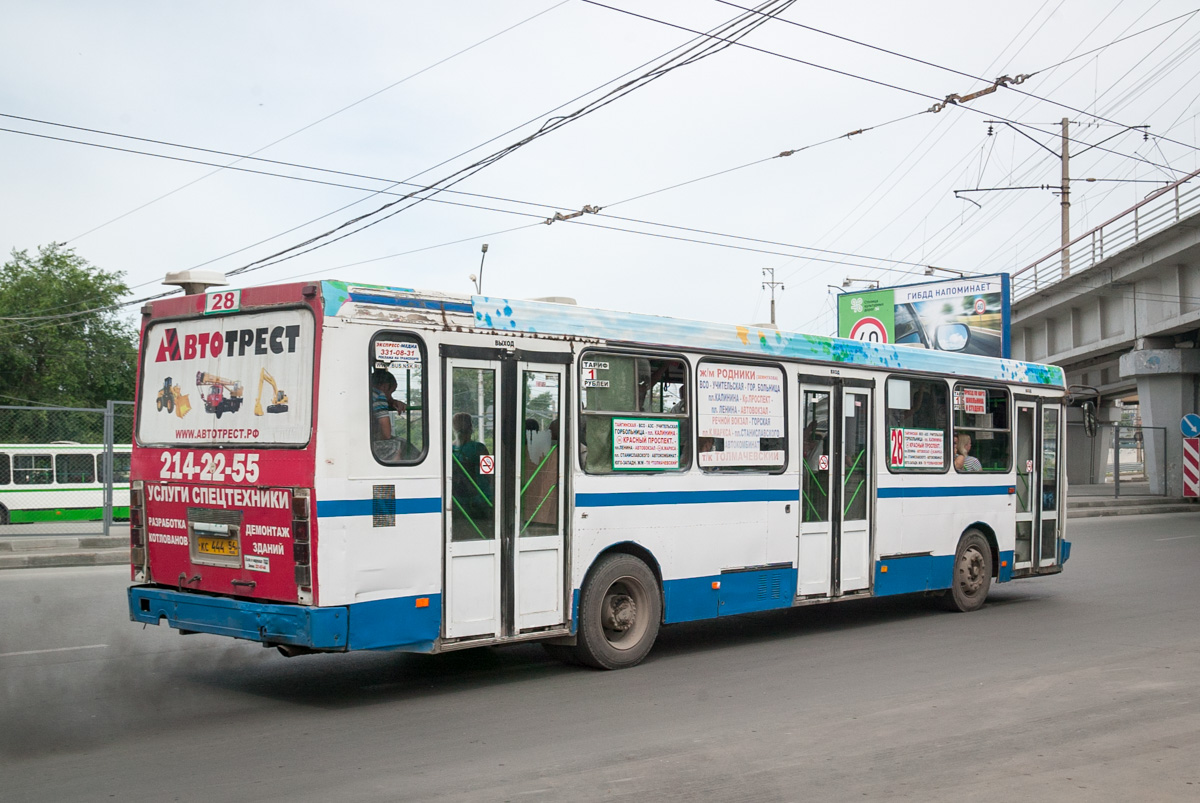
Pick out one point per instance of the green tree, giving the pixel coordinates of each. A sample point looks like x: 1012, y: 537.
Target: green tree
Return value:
x: 62, y: 341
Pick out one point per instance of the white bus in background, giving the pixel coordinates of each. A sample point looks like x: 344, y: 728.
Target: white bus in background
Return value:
x: 453, y: 472
x: 60, y: 481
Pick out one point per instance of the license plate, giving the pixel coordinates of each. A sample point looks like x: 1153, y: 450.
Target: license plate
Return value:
x: 217, y: 546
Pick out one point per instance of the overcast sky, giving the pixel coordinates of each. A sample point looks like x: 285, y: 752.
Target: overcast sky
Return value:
x: 238, y: 76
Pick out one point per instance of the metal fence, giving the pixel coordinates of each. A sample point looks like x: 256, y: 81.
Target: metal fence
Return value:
x: 64, y: 470
x: 1118, y: 461
x: 1158, y: 211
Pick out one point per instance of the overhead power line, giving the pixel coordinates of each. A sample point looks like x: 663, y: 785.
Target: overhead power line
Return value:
x: 706, y: 45
x: 538, y: 216
x: 329, y: 116
x: 995, y: 84
x: 938, y: 102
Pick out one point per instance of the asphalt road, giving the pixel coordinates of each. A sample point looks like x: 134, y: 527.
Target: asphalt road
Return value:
x: 1084, y: 686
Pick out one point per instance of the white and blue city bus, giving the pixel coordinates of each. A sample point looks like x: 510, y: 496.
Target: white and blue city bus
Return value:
x: 451, y: 472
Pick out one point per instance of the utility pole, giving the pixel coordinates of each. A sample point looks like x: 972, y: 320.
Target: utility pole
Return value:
x: 1066, y: 200
x: 1064, y: 189
x: 772, y: 284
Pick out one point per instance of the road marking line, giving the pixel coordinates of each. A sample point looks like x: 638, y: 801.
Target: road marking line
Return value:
x: 55, y: 649
x: 1177, y: 538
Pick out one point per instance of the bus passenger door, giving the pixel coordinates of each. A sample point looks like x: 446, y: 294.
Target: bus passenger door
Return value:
x: 815, y: 560
x: 836, y: 491
x: 1039, y: 485
x: 855, y: 489
x: 1049, y: 497
x: 1028, y: 471
x: 539, y: 537
x: 472, y: 473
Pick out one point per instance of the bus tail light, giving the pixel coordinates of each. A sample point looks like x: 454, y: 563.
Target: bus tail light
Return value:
x: 137, y: 532
x: 301, y: 546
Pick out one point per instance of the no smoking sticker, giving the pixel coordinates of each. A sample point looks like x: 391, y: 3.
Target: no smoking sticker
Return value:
x: 487, y: 464
x: 823, y: 463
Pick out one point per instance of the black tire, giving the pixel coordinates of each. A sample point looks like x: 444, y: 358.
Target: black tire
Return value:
x: 158, y: 403
x: 5, y: 519
x: 170, y: 404
x: 620, y: 610
x: 972, y: 574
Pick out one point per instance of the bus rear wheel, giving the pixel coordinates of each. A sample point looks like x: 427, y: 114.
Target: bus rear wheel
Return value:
x: 619, y: 613
x: 972, y: 573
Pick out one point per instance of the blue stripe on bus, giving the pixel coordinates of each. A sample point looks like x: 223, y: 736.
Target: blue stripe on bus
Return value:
x: 419, y: 303
x: 632, y: 498
x: 951, y: 490
x: 332, y: 508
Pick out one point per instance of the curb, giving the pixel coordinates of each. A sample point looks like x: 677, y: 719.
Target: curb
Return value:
x: 101, y: 557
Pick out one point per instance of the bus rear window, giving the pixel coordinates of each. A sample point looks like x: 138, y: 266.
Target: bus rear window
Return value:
x: 238, y: 379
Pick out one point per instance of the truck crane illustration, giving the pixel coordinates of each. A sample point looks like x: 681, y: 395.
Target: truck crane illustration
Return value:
x: 215, y: 400
x: 279, y: 399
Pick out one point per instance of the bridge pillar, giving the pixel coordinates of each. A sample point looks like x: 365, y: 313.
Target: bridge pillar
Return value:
x: 1167, y: 383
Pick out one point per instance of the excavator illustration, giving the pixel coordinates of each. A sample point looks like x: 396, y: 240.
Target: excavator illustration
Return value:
x: 216, y: 401
x: 279, y: 399
x: 173, y: 400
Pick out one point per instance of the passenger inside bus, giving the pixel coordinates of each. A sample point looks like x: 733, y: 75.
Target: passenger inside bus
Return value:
x: 472, y: 489
x: 963, y: 460
x: 386, y: 443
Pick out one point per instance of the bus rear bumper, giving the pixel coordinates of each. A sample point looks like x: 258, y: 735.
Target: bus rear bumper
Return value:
x: 269, y: 623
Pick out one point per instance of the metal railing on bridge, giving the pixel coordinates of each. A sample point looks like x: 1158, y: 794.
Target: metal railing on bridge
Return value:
x: 1160, y: 210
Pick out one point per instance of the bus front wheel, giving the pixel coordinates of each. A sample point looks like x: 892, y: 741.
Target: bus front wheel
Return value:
x: 619, y: 613
x: 972, y: 573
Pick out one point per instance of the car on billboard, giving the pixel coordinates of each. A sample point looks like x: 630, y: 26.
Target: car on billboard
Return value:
x: 915, y: 328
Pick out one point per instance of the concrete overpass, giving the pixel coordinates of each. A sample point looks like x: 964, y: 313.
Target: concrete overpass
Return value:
x: 1119, y: 309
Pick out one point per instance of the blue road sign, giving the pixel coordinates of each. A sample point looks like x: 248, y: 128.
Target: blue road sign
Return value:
x: 1189, y: 425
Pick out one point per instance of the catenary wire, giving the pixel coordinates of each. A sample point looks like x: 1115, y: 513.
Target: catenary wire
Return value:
x: 329, y: 116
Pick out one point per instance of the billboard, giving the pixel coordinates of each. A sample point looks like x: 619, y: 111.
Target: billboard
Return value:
x: 970, y: 316
x: 245, y: 378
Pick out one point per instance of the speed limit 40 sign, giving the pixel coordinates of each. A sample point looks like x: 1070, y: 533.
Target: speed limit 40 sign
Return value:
x: 870, y: 329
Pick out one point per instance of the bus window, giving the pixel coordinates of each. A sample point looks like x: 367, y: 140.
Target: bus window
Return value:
x: 473, y: 431
x: 541, y: 399
x: 740, y: 417
x: 982, y: 430
x: 918, y: 413
x: 120, y: 467
x: 397, y: 399
x: 32, y: 469
x: 74, y: 468
x: 5, y: 474
x: 635, y: 414
x: 815, y: 481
